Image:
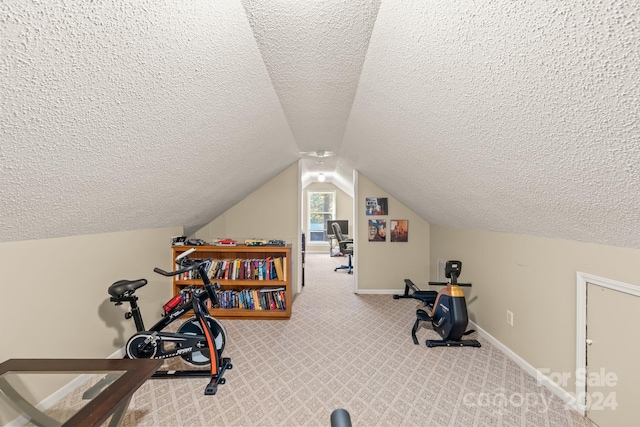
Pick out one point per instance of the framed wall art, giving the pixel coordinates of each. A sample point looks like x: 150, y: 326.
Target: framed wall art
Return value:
x: 377, y: 206
x: 377, y: 230
x: 399, y: 230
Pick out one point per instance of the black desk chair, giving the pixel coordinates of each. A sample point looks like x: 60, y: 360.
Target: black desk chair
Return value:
x: 346, y: 247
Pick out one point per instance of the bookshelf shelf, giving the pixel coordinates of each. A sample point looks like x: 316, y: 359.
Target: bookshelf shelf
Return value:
x: 244, y: 253
x: 234, y: 283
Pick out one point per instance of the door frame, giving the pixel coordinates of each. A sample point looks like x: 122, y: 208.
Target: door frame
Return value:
x: 581, y: 324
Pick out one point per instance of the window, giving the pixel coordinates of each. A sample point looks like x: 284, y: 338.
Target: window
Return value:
x: 322, y: 207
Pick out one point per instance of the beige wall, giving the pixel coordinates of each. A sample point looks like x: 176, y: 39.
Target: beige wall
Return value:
x: 270, y: 212
x: 344, y: 210
x: 54, y: 293
x: 535, y: 278
x: 381, y: 267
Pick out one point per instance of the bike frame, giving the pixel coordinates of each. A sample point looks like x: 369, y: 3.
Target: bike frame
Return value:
x: 198, y: 304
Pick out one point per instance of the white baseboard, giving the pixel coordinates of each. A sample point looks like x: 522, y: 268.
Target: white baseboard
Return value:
x: 118, y: 354
x: 380, y: 291
x: 542, y: 379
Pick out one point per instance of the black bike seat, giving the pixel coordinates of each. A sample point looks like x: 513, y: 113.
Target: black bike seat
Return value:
x: 121, y: 286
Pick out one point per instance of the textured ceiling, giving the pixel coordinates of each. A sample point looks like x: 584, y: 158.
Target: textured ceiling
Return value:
x: 132, y: 115
x: 314, y: 51
x: 515, y: 116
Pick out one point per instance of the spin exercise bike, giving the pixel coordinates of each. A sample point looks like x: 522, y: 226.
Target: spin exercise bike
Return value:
x: 199, y: 341
x: 446, y: 310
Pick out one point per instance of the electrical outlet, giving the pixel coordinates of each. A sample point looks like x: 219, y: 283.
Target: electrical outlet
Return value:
x: 509, y: 318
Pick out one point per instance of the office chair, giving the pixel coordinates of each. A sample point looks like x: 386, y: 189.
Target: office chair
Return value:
x: 346, y: 247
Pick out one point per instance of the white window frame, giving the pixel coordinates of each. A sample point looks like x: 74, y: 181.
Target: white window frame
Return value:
x: 308, y: 219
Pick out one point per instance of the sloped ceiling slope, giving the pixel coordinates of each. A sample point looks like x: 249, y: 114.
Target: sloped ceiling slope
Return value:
x: 314, y: 51
x: 518, y: 116
x: 131, y: 115
x: 513, y: 116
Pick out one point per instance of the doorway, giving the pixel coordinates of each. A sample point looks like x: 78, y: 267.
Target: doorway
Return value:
x: 321, y: 204
x: 607, y: 371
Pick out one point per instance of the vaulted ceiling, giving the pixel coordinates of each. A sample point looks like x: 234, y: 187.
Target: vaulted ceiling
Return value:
x: 519, y: 116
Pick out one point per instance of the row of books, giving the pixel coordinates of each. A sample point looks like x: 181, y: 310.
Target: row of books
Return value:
x: 248, y: 299
x: 253, y: 299
x: 270, y: 268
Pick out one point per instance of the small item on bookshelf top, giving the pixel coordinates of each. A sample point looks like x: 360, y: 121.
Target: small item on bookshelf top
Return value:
x: 225, y: 242
x: 276, y: 243
x: 255, y: 242
x: 196, y: 242
x: 178, y: 240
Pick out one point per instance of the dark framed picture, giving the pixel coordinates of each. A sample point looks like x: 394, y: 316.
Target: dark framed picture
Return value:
x: 399, y: 230
x: 377, y: 230
x: 377, y: 206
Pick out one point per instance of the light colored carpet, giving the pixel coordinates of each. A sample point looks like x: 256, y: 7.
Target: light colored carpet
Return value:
x: 341, y: 350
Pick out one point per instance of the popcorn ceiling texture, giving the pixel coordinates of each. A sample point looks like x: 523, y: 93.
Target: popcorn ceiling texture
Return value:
x: 314, y: 57
x: 515, y: 116
x: 118, y: 116
x: 314, y: 52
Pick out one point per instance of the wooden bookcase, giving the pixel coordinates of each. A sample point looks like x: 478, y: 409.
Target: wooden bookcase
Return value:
x: 241, y: 252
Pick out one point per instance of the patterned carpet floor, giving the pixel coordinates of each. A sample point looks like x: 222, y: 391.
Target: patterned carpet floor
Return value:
x: 342, y: 350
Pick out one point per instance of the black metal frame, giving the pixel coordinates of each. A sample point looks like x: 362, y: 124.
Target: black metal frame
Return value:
x: 189, y: 342
x: 454, y: 305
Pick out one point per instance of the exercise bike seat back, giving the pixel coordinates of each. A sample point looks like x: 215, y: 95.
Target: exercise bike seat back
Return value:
x: 427, y: 297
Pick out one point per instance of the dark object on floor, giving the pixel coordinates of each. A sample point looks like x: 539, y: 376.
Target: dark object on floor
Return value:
x: 340, y: 418
x: 445, y: 310
x: 427, y: 297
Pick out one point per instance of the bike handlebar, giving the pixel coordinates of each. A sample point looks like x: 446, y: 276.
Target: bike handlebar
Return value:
x: 181, y: 259
x: 193, y: 265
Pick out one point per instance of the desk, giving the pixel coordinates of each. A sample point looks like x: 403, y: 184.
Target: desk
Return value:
x: 125, y: 377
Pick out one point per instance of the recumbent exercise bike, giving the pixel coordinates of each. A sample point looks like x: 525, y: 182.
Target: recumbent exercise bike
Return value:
x: 446, y: 310
x: 199, y: 341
